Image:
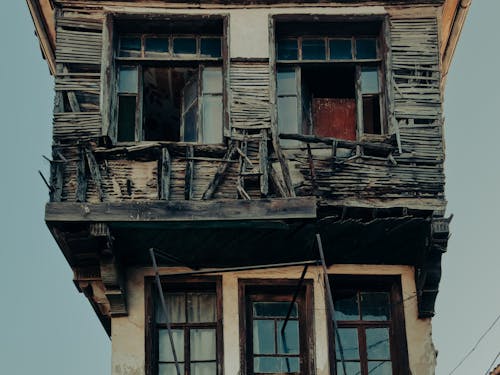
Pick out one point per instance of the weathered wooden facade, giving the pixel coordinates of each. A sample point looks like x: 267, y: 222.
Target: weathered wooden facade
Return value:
x: 251, y: 168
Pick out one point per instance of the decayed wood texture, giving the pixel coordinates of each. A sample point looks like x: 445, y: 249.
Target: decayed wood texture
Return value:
x: 416, y: 115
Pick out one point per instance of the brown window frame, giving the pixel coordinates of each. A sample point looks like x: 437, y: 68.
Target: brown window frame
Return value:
x: 397, y: 327
x: 380, y: 63
x: 273, y: 290
x: 183, y: 284
x: 117, y: 27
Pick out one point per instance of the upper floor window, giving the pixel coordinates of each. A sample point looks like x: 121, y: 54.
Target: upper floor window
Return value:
x: 329, y: 79
x: 370, y: 327
x: 170, y: 84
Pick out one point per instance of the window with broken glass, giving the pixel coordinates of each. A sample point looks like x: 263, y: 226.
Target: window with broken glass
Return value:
x: 329, y: 84
x: 370, y: 323
x: 170, y: 88
x: 193, y: 312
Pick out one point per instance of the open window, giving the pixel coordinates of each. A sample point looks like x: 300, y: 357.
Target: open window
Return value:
x: 329, y: 79
x: 169, y: 82
x: 370, y: 320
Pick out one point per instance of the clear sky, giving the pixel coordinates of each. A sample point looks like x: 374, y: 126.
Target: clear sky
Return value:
x: 47, y: 327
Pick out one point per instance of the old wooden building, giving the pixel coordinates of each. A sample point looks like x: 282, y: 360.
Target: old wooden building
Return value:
x: 253, y: 186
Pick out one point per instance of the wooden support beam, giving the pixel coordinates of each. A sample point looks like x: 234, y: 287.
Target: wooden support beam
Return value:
x: 56, y: 179
x: 94, y: 172
x: 81, y: 177
x: 188, y: 184
x: 263, y: 161
x: 72, y: 99
x: 165, y: 173
x: 182, y: 211
x: 219, y: 174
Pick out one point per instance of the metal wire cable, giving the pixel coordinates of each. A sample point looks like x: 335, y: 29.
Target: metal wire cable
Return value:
x: 475, y: 345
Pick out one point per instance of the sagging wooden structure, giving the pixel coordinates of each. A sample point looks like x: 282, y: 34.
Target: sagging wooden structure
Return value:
x: 227, y: 136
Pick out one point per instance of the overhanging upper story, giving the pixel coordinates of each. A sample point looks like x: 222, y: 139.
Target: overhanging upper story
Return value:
x: 200, y: 126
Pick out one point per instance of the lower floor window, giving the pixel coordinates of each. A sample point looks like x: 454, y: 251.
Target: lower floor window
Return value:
x: 370, y: 337
x: 193, y: 312
x: 277, y: 331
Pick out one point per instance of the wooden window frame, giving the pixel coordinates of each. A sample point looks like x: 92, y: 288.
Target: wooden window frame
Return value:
x: 181, y: 284
x: 279, y: 288
x: 111, y: 62
x: 397, y: 327
x: 381, y: 62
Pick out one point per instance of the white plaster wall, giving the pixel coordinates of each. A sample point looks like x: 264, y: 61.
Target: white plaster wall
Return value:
x: 128, y: 335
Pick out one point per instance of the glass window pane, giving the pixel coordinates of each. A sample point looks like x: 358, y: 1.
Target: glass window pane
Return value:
x: 267, y: 364
x: 366, y: 48
x: 126, y: 118
x: 130, y: 46
x: 379, y: 368
x: 341, y: 49
x: 185, y: 45
x: 313, y: 49
x: 190, y: 124
x: 156, y: 46
x: 288, y: 116
x: 127, y: 80
x: 369, y: 80
x: 274, y: 309
x: 288, y: 343
x: 351, y: 368
x: 287, y: 82
x: 377, y: 343
x: 175, y: 306
x: 170, y: 369
x: 288, y: 49
x: 212, y: 119
x: 276, y: 364
x: 203, y: 345
x: 263, y: 337
x: 375, y: 306
x: 212, y: 81
x: 204, y: 368
x: 211, y: 47
x: 349, y: 341
x: 346, y: 306
x: 165, y: 353
x: 201, y: 307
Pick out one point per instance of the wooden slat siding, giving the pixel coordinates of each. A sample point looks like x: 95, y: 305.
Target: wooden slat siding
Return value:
x: 140, y: 178
x: 78, y: 47
x: 249, y: 103
x: 76, y: 126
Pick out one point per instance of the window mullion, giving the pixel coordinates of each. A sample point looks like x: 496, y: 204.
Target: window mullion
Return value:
x: 199, y: 119
x: 138, y: 114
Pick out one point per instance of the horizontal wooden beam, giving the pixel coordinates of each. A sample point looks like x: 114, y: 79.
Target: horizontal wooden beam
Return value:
x: 158, y: 211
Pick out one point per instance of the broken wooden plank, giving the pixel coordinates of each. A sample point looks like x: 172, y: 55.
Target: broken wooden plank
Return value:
x: 166, y: 171
x: 189, y: 175
x: 219, y: 174
x: 81, y: 177
x: 94, y: 172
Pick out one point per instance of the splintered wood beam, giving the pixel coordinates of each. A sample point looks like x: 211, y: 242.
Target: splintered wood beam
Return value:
x: 166, y: 171
x: 72, y: 99
x: 56, y: 181
x: 285, y: 171
x: 341, y: 143
x: 311, y: 169
x: 94, y: 172
x: 81, y: 177
x: 278, y: 185
x: 188, y: 184
x: 263, y: 161
x: 219, y: 174
x: 183, y: 211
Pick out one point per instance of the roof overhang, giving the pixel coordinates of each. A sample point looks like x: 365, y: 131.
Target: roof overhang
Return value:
x: 43, y: 15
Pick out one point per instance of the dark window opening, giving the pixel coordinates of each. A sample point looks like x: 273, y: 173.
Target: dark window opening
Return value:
x: 329, y: 79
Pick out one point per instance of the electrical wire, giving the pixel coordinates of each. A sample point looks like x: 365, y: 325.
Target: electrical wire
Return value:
x: 492, y: 364
x: 475, y: 345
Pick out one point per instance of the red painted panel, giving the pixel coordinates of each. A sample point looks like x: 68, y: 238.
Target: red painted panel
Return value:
x: 335, y: 118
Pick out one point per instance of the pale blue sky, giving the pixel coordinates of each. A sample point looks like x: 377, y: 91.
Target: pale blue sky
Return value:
x: 48, y: 328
